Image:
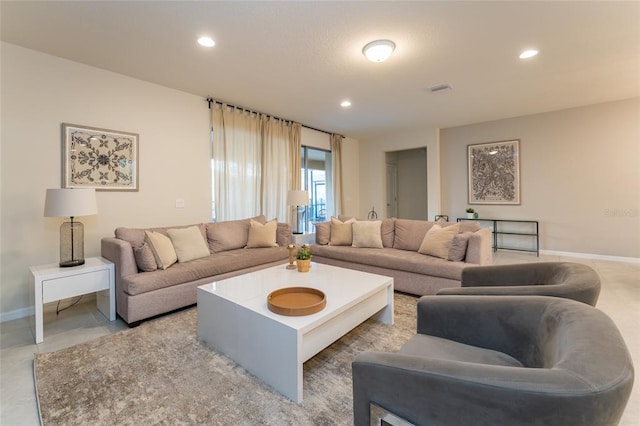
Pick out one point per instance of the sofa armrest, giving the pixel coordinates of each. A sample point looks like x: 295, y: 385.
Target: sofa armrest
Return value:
x: 479, y: 250
x: 120, y: 253
x: 426, y: 390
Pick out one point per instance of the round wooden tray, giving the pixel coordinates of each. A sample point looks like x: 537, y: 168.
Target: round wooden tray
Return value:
x: 296, y: 301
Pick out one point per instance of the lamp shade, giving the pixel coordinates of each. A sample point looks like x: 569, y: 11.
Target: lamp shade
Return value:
x: 298, y: 198
x: 67, y: 202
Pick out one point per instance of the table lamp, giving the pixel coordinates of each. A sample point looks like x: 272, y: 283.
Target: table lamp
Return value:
x: 297, y: 199
x: 71, y: 202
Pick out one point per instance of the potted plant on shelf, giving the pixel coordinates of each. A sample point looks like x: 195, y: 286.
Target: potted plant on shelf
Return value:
x: 303, y: 258
x: 470, y: 213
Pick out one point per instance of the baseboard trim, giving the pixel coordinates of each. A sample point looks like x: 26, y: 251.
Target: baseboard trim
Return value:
x: 17, y: 314
x: 591, y: 256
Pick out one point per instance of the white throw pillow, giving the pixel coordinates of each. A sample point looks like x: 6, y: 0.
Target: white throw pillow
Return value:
x: 437, y: 241
x: 188, y: 243
x: 341, y: 233
x: 262, y: 235
x: 366, y: 233
x: 162, y: 249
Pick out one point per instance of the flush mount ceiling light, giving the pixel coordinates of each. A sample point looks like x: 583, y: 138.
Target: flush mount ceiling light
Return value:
x: 206, y: 42
x: 529, y: 53
x: 345, y: 104
x: 379, y: 50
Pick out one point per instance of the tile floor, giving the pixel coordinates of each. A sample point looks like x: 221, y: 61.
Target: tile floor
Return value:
x: 619, y: 298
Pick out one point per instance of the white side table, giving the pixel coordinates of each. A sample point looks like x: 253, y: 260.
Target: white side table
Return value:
x: 300, y: 239
x: 51, y: 283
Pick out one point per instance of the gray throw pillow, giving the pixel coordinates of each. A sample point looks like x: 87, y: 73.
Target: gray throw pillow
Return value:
x: 144, y: 258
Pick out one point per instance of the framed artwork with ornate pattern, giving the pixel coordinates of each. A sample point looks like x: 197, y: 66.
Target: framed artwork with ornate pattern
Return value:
x: 102, y: 159
x: 494, y: 172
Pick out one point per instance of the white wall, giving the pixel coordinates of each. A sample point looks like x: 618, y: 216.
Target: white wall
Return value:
x: 580, y: 176
x: 39, y: 92
x: 373, y: 168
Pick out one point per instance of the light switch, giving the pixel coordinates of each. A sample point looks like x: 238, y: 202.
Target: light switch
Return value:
x: 179, y: 203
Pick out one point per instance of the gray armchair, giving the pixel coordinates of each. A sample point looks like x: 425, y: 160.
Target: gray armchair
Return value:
x: 560, y: 279
x: 500, y: 360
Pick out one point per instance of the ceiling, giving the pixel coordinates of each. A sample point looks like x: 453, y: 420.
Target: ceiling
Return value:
x: 299, y: 60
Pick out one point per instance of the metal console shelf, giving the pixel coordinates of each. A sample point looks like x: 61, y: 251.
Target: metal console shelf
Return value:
x: 497, y: 229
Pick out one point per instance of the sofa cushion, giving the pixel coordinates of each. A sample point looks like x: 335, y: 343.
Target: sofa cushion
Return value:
x: 458, y: 248
x: 262, y: 235
x: 188, y: 243
x: 388, y: 232
x: 210, y: 266
x: 145, y: 260
x: 366, y: 233
x: 323, y: 233
x: 283, y: 234
x: 162, y: 249
x: 341, y: 232
x: 437, y: 241
x: 433, y: 347
x: 410, y: 233
x: 390, y: 258
x: 229, y: 234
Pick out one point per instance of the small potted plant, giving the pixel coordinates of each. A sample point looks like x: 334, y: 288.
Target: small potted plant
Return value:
x: 470, y: 213
x: 303, y: 258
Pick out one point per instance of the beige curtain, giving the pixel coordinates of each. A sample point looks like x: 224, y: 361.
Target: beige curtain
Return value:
x: 278, y: 166
x: 256, y: 160
x: 236, y: 162
x: 336, y: 174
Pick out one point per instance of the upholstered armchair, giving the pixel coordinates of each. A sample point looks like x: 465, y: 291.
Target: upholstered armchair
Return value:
x: 500, y: 360
x: 560, y: 279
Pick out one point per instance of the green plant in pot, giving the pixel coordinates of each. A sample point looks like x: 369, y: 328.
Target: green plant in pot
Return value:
x: 470, y: 213
x: 303, y: 258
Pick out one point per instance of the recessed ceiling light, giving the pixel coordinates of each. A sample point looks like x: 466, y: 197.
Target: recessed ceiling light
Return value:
x: 379, y: 50
x: 530, y: 53
x: 345, y: 104
x: 206, y: 42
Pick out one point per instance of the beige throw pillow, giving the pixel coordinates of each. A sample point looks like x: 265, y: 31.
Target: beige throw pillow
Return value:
x: 366, y: 233
x: 162, y: 249
x: 188, y: 243
x: 341, y: 233
x: 262, y: 235
x: 437, y: 241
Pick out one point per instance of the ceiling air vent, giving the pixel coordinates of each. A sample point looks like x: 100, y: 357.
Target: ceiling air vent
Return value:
x: 440, y: 88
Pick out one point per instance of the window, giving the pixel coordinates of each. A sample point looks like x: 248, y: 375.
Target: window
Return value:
x: 316, y: 178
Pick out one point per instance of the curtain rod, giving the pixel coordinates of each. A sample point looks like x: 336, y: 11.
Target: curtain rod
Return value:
x: 211, y: 100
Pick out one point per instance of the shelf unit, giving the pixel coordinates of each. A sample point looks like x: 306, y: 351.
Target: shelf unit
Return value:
x: 497, y: 229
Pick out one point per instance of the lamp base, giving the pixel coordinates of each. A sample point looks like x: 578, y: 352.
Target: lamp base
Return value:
x: 69, y: 263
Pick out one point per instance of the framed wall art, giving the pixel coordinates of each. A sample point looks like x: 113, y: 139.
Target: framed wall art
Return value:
x: 98, y: 158
x: 494, y: 172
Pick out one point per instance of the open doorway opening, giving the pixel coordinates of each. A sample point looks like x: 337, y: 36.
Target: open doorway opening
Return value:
x: 407, y: 184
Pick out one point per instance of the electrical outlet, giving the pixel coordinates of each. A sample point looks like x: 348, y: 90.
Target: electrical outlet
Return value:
x: 179, y: 203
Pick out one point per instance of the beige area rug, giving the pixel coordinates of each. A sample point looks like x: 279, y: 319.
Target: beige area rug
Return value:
x: 159, y: 373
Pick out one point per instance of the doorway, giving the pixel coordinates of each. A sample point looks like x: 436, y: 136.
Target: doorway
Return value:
x: 407, y: 184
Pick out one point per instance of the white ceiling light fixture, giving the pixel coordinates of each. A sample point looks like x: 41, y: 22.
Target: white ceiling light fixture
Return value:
x: 379, y: 50
x: 345, y: 104
x: 206, y: 41
x: 529, y: 53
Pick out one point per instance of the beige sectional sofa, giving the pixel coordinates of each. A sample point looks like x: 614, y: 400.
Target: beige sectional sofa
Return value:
x: 225, y: 249
x: 399, y: 253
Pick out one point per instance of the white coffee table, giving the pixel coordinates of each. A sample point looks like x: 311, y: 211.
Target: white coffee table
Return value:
x: 233, y: 318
